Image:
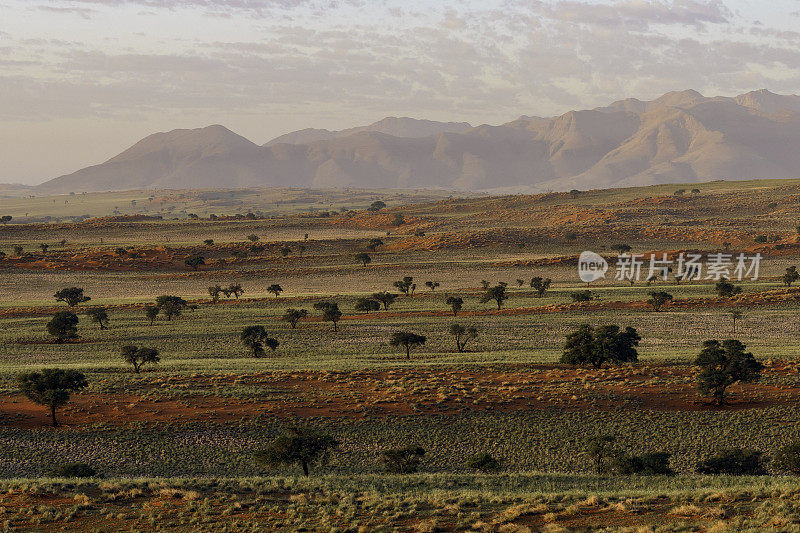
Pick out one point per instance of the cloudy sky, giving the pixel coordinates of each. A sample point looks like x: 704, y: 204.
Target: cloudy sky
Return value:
x: 81, y: 80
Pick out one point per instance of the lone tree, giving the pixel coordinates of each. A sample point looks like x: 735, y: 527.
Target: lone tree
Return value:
x: 658, y: 299
x: 72, y: 296
x: 373, y: 244
x: 540, y: 285
x: 302, y: 447
x: 496, y: 293
x: 63, y: 326
x: 99, y: 315
x: 275, y: 289
x: 330, y: 312
x: 292, y: 316
x: 404, y: 285
x: 209, y: 242
x: 51, y: 387
x: 595, y: 346
x: 138, y: 357
x: 726, y: 289
x: 403, y: 460
x: 455, y: 304
x: 736, y: 314
x: 407, y: 340
x: 723, y: 364
x: 5, y: 219
x: 363, y: 258
x: 791, y: 276
x: 252, y: 237
x: 171, y: 306
x: 215, y: 292
x: 285, y: 251
x: 44, y: 247
x: 463, y: 335
x: 365, y: 305
x: 151, y: 312
x: 256, y: 338
x: 600, y: 449
x: 432, y: 285
x: 235, y: 289
x: 386, y: 298
x: 377, y: 205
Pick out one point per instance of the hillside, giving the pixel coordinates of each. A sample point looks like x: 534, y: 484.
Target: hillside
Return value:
x: 681, y: 136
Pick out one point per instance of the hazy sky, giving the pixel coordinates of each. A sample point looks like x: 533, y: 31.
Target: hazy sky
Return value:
x: 81, y: 80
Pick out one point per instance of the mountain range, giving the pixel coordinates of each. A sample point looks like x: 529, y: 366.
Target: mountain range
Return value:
x: 679, y: 137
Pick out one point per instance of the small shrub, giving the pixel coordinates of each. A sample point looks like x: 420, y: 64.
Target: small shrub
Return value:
x: 484, y: 462
x: 788, y: 458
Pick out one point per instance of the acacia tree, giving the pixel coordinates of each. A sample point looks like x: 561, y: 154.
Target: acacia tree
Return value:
x: 365, y: 305
x: 463, y: 335
x: 194, y: 262
x: 403, y: 460
x: 496, y: 293
x: 255, y: 338
x: 407, y: 340
x: 99, y: 315
x: 72, y: 296
x: 215, y: 291
x: 235, y: 289
x: 540, y: 285
x: 51, y: 387
x: 330, y: 312
x: 373, y: 244
x: 455, y: 304
x: 138, y: 357
x: 736, y: 314
x: 600, y: 449
x: 151, y: 312
x: 404, y: 285
x: 432, y: 285
x: 726, y: 289
x: 63, y: 326
x: 595, y: 346
x: 790, y: 276
x: 171, y: 306
x: 292, y: 316
x: 363, y: 258
x: 275, y: 289
x: 302, y: 447
x: 723, y: 364
x: 386, y: 298
x: 658, y: 299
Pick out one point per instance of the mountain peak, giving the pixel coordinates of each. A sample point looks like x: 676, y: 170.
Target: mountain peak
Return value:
x: 185, y: 142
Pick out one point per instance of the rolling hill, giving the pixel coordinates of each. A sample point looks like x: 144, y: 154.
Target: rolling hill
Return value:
x: 681, y: 136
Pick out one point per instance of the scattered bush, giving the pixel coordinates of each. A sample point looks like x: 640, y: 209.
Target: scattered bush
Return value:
x: 403, y: 460
x: 733, y: 461
x: 484, y: 462
x: 73, y: 470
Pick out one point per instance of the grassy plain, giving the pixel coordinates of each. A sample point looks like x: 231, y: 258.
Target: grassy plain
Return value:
x: 202, y: 412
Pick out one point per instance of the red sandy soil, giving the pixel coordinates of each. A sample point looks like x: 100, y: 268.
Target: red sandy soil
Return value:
x: 420, y: 391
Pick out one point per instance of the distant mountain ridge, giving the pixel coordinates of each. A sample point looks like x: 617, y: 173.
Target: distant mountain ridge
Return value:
x: 394, y: 126
x: 680, y: 136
